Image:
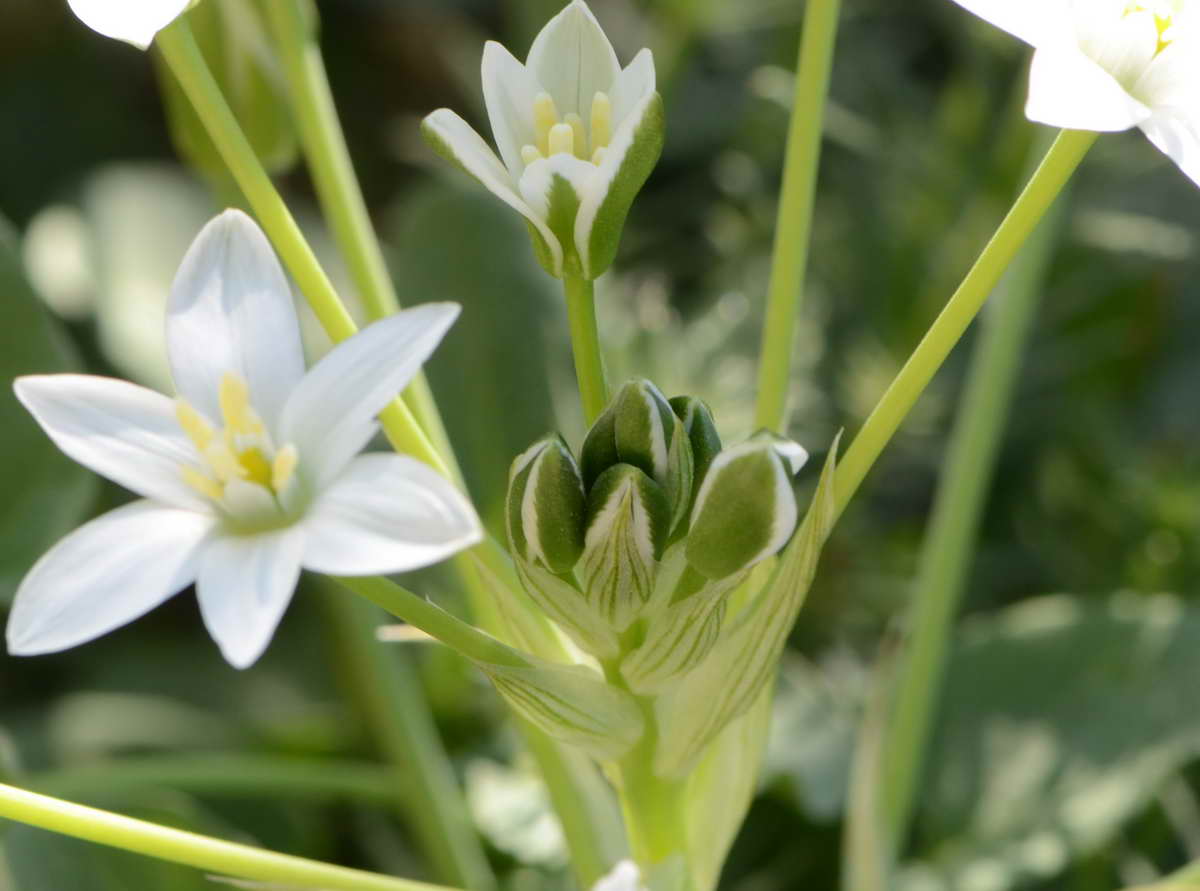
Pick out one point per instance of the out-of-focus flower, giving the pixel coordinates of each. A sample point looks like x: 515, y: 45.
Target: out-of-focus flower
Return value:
x: 134, y: 21
x: 1110, y: 65
x: 624, y: 877
x: 577, y: 134
x: 250, y: 474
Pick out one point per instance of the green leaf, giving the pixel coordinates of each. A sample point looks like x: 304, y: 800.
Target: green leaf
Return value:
x: 46, y: 494
x: 728, y: 682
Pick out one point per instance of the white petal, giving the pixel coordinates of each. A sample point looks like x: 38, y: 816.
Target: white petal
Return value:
x: 231, y: 310
x: 1177, y: 135
x: 338, y: 399
x: 468, y: 148
x: 1120, y: 42
x: 573, y: 60
x: 1173, y: 78
x: 1067, y: 89
x: 1037, y: 22
x: 633, y: 85
x: 244, y: 585
x: 509, y: 90
x: 134, y: 21
x: 105, y: 574
x: 387, y: 513
x: 120, y: 430
x: 623, y: 877
x: 537, y: 183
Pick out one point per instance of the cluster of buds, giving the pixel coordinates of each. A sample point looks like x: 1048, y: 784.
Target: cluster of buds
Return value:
x: 634, y: 548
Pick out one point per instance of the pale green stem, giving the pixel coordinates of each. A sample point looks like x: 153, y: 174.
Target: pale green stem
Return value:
x: 187, y: 63
x: 388, y: 689
x: 789, y: 259
x: 585, y: 341
x: 953, y: 528
x: 1052, y: 174
x: 338, y: 188
x: 187, y: 848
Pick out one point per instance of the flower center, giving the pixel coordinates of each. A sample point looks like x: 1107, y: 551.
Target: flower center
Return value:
x: 1163, y: 14
x: 570, y: 135
x: 240, y: 451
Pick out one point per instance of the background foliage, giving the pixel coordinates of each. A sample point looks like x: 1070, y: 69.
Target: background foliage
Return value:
x: 1066, y: 754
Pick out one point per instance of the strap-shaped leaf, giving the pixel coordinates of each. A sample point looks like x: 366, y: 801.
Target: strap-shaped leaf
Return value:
x: 743, y: 662
x: 571, y: 703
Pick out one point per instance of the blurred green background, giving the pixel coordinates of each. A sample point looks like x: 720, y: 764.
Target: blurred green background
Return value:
x: 1068, y: 746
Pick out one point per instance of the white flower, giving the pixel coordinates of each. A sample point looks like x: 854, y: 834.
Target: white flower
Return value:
x: 249, y: 475
x: 624, y: 877
x: 578, y: 137
x: 134, y: 21
x: 1111, y: 65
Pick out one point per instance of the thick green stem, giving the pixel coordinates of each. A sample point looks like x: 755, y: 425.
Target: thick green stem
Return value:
x: 1052, y: 174
x: 789, y: 259
x: 338, y: 188
x: 385, y: 682
x: 585, y: 341
x: 187, y: 848
x: 953, y: 528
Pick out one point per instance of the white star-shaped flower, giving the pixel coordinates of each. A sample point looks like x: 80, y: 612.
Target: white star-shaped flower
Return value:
x: 577, y: 134
x: 250, y: 474
x: 1110, y: 65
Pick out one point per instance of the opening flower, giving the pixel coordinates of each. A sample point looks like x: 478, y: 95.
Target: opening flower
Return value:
x: 134, y: 21
x: 250, y: 474
x: 577, y: 134
x: 1111, y: 65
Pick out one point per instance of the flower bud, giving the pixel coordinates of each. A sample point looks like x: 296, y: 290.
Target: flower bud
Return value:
x: 745, y: 510
x: 639, y: 428
x: 546, y: 505
x: 627, y: 527
x: 702, y: 435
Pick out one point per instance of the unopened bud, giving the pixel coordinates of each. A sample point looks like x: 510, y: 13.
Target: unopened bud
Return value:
x: 745, y: 510
x: 546, y: 506
x: 702, y: 435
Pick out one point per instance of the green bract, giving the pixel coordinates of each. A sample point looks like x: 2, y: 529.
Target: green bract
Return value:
x: 577, y: 137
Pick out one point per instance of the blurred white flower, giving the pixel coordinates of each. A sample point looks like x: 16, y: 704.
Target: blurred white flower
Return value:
x: 624, y: 877
x: 1111, y: 65
x: 251, y: 474
x: 578, y: 136
x: 134, y: 21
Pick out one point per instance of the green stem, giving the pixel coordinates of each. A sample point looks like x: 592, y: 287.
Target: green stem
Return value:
x: 946, y: 553
x: 1048, y: 180
x: 338, y: 188
x: 210, y: 854
x: 385, y: 682
x: 585, y: 340
x: 789, y: 259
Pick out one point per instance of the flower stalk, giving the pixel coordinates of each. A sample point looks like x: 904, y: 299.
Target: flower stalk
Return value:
x: 585, y: 342
x: 789, y: 260
x: 189, y: 849
x: 1060, y: 162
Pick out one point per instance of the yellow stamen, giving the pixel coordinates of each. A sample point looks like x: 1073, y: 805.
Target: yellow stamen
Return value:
x: 545, y: 116
x: 285, y: 467
x: 258, y: 468
x: 234, y: 397
x: 202, y: 484
x: 224, y: 462
x: 198, y: 430
x: 529, y: 154
x: 577, y: 131
x: 598, y: 154
x: 562, y: 140
x: 601, y: 120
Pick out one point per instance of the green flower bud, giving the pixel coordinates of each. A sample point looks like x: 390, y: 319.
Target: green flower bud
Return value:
x: 546, y: 505
x: 745, y: 510
x: 627, y: 527
x: 702, y: 435
x: 639, y: 428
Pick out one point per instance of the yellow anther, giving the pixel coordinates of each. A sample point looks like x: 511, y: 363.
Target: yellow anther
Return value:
x: 598, y: 154
x: 258, y: 468
x: 545, y: 116
x: 198, y: 430
x: 285, y: 466
x: 579, y: 134
x: 204, y: 485
x: 234, y: 397
x: 562, y: 140
x: 224, y: 462
x: 529, y: 154
x: 601, y: 120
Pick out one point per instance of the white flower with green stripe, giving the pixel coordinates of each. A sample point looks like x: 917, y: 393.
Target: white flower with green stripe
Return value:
x: 249, y: 475
x: 577, y: 137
